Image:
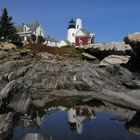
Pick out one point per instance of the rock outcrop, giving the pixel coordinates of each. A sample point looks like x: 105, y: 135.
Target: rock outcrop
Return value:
x: 6, y: 125
x: 114, y: 59
x: 88, y: 56
x: 115, y: 48
x: 28, y: 80
x: 42, y: 75
x: 7, y: 89
x: 134, y: 41
x: 7, y: 46
x: 21, y: 101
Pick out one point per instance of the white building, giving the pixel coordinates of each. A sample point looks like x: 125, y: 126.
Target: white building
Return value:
x: 71, y: 31
x: 51, y: 42
x: 63, y: 43
x: 77, y: 35
x: 26, y: 30
x: 76, y: 117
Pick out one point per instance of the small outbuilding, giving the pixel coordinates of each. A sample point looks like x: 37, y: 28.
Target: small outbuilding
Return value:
x: 51, y: 42
x: 84, y: 37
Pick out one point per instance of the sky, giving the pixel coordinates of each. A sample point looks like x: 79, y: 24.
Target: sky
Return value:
x: 110, y: 20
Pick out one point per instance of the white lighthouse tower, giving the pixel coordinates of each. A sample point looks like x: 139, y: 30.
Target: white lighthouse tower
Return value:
x: 71, y: 31
x: 72, y: 115
x: 75, y: 121
x: 78, y: 24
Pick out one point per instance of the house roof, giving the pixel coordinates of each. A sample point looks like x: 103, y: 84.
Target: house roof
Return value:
x: 32, y: 26
x: 68, y: 42
x: 51, y: 39
x: 85, y: 32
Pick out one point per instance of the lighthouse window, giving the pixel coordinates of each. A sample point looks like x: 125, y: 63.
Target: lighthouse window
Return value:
x: 77, y: 26
x: 72, y: 34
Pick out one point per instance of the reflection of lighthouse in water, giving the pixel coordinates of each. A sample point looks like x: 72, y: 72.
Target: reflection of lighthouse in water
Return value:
x: 76, y: 117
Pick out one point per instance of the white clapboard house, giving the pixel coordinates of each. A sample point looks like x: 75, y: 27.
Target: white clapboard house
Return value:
x: 26, y: 30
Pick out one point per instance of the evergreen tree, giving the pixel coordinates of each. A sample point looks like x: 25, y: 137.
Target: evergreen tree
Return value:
x: 7, y: 29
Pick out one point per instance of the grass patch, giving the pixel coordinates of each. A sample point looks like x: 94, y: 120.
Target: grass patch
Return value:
x: 67, y: 51
x: 71, y: 51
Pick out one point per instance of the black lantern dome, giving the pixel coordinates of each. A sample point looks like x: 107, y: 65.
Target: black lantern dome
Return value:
x: 72, y: 24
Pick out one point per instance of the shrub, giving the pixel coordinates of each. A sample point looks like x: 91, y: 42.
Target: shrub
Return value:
x: 40, y: 39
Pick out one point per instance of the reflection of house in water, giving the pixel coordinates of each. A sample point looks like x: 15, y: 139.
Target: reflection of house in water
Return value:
x: 36, y: 118
x: 35, y: 136
x: 33, y: 120
x: 76, y: 117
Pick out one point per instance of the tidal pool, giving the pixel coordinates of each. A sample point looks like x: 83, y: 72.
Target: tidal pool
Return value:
x: 79, y: 122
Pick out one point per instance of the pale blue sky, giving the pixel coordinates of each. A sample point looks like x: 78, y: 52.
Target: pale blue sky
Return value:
x: 111, y: 20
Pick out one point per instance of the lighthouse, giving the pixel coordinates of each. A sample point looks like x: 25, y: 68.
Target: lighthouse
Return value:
x: 71, y: 31
x: 78, y: 24
x: 78, y: 36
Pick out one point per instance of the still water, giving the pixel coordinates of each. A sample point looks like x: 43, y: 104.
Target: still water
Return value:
x: 79, y: 122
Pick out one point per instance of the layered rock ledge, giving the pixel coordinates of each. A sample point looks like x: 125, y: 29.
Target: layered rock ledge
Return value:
x: 37, y: 79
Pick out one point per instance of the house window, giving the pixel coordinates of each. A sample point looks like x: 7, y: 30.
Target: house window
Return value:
x: 72, y: 34
x: 25, y: 38
x: 40, y: 32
